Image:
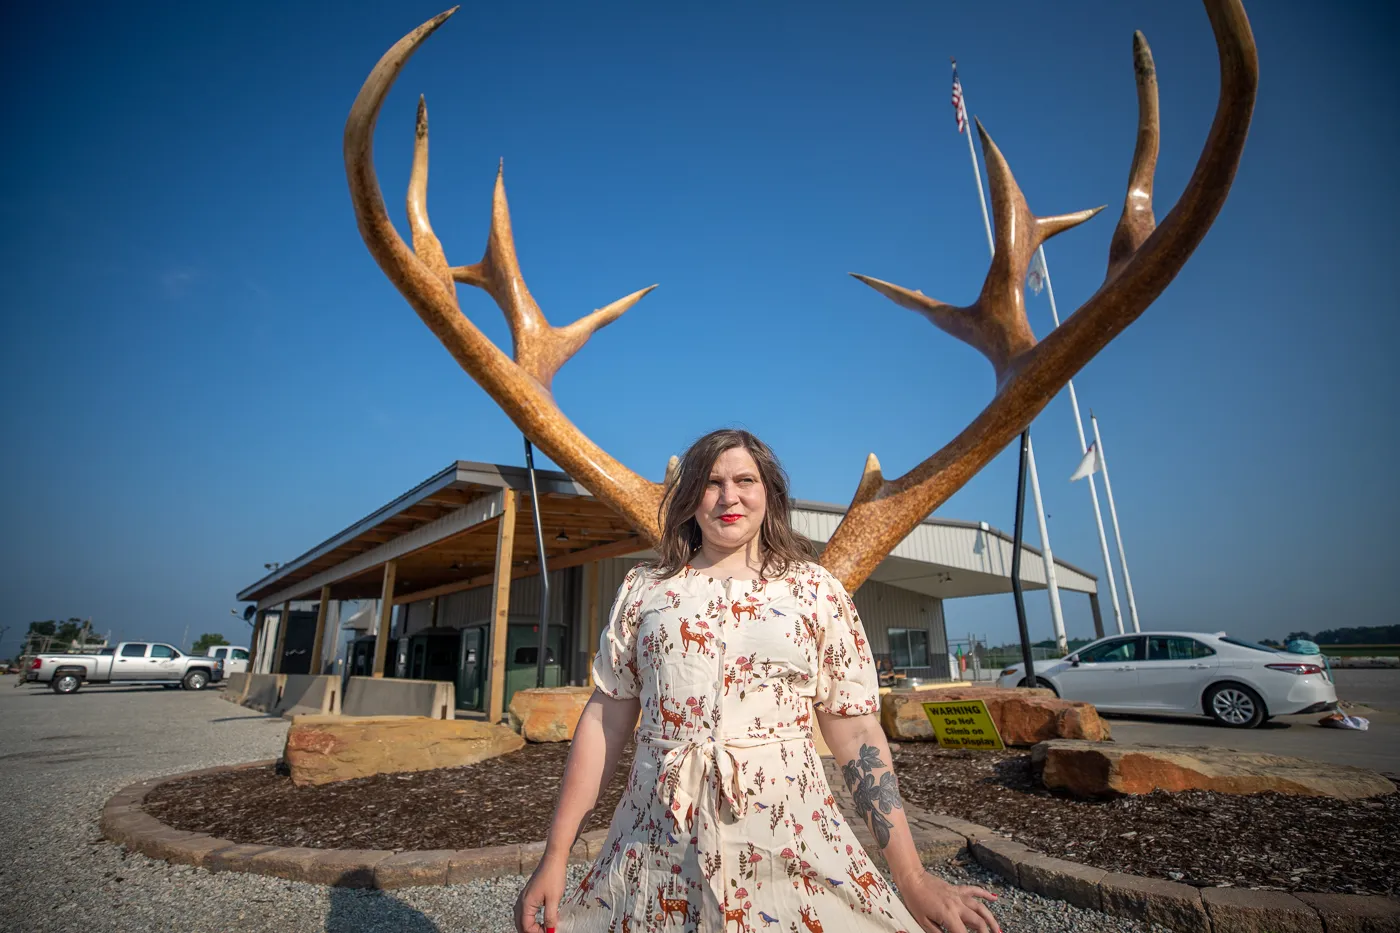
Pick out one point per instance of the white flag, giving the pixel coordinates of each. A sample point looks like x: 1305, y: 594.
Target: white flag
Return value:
x: 1037, y: 275
x: 1090, y: 465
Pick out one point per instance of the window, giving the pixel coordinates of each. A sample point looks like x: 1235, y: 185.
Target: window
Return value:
x: 163, y: 651
x: 134, y: 650
x: 1175, y: 648
x: 1113, y: 652
x: 909, y: 647
x: 107, y: 652
x: 530, y: 655
x: 238, y: 654
x: 1249, y: 644
x: 220, y: 653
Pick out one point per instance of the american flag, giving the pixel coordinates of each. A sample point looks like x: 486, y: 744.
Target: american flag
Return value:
x: 958, y: 99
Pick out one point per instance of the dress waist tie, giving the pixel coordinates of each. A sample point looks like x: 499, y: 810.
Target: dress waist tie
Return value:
x: 689, y: 768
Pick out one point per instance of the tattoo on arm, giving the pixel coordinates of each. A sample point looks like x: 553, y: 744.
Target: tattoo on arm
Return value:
x: 873, y: 799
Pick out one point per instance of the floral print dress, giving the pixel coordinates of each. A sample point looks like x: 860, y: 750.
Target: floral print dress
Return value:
x: 728, y: 824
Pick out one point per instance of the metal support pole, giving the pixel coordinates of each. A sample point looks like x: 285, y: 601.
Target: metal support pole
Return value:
x: 1016, y: 559
x: 544, y: 566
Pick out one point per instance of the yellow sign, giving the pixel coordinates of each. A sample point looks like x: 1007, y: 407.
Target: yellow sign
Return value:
x: 963, y: 724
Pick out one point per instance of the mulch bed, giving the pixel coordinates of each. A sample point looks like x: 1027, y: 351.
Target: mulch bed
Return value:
x: 1272, y: 841
x: 499, y: 801
x: 1197, y: 837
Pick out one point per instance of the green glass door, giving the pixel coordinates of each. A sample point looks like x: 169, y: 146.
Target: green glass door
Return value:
x: 522, y: 653
x: 472, y: 662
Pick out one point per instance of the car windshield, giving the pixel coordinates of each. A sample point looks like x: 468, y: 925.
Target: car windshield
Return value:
x: 1239, y: 643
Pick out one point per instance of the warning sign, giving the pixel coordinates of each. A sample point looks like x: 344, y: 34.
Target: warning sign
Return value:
x: 963, y: 724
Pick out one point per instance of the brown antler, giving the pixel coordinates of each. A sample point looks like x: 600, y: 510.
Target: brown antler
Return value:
x: 1142, y: 262
x: 520, y: 386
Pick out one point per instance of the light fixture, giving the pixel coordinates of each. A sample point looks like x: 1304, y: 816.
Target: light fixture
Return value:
x: 561, y: 536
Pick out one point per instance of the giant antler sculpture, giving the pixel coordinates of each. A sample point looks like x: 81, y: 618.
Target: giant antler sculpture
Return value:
x: 1143, y: 259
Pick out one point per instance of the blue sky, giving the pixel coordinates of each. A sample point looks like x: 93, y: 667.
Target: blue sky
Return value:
x: 206, y: 371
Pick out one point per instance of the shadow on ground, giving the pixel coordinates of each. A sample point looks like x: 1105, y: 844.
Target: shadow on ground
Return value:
x: 360, y: 911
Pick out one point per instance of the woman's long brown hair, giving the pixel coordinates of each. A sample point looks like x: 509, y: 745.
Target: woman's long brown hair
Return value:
x: 782, y: 547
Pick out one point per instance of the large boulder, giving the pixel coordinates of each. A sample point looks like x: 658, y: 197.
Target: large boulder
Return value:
x: 323, y: 749
x: 1023, y: 715
x: 548, y: 714
x: 1089, y: 769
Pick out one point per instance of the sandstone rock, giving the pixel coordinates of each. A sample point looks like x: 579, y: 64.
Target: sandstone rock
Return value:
x: 548, y: 714
x: 323, y: 749
x: 1089, y: 769
x: 1023, y: 715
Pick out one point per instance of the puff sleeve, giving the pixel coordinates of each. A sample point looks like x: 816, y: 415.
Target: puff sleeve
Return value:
x: 847, y: 683
x: 615, y: 671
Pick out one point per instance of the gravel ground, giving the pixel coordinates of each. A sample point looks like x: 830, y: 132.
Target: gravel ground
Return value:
x: 62, y: 757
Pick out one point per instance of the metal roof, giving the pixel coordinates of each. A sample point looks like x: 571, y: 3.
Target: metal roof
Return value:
x: 941, y: 557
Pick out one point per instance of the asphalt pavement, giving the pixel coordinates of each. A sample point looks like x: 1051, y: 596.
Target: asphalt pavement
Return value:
x: 1377, y: 693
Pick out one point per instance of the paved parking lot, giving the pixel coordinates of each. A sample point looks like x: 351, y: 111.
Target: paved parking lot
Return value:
x: 1378, y: 748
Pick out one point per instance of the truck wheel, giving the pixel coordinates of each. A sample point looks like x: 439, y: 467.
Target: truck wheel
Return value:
x: 65, y: 683
x: 196, y: 680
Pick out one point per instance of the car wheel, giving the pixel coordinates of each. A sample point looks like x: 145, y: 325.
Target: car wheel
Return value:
x: 196, y: 680
x: 1235, y: 706
x: 1042, y: 683
x: 66, y: 683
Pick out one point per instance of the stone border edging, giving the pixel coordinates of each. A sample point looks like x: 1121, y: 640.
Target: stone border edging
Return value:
x: 125, y: 822
x: 1168, y: 903
x: 1171, y: 904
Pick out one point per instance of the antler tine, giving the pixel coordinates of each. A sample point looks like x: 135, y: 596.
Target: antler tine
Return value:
x: 995, y: 324
x: 539, y: 348
x: 426, y: 245
x: 1137, y: 221
x: 424, y: 278
x: 877, y: 521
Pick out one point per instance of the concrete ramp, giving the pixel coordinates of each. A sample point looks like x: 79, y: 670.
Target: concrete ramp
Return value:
x: 235, y: 685
x: 391, y: 696
x: 264, y: 690
x: 307, y: 695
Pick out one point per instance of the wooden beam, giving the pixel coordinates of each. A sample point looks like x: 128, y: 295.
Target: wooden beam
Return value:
x: 253, y: 651
x: 386, y: 617
x: 628, y: 545
x: 317, y: 640
x: 281, y: 637
x: 500, y: 607
x: 590, y: 603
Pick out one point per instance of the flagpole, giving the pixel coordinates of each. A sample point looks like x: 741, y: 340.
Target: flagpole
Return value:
x: 1084, y: 449
x: 1046, y: 554
x: 1113, y: 514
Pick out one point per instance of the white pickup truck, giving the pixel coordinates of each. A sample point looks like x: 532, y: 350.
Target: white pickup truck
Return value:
x: 235, y: 658
x: 130, y: 662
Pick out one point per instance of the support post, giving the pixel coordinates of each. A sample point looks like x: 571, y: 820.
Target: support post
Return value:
x: 281, y: 641
x: 590, y: 603
x: 255, y: 647
x: 1026, y: 655
x: 386, y: 618
x: 500, y: 606
x: 1098, y: 616
x: 317, y: 640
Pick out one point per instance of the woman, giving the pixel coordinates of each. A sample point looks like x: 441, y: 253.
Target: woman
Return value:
x: 725, y: 645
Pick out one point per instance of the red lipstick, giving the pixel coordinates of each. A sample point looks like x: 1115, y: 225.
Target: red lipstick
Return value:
x: 730, y: 518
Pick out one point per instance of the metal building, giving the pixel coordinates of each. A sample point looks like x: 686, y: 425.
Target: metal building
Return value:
x: 453, y: 566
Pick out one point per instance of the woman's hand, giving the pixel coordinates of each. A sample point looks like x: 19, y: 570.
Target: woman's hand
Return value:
x: 545, y: 889
x: 937, y: 904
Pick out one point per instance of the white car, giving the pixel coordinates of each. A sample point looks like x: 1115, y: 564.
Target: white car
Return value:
x: 235, y: 658
x: 1237, y: 683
